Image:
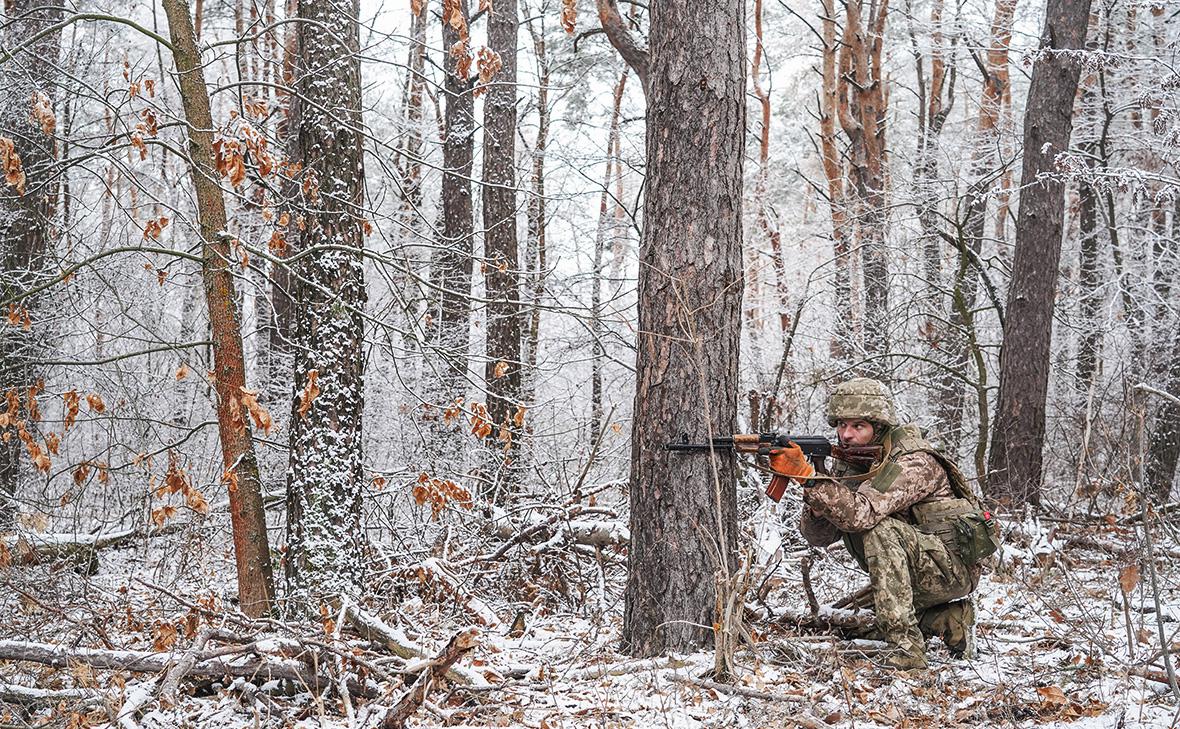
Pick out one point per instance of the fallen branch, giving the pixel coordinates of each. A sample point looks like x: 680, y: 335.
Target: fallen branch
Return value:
x: 136, y: 699
x: 370, y: 627
x: 207, y: 666
x: 731, y: 690
x: 14, y: 694
x: 828, y: 619
x: 436, y: 573
x: 408, y: 705
x: 30, y: 547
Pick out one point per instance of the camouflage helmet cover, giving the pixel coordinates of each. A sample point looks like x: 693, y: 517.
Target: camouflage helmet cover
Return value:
x: 862, y: 398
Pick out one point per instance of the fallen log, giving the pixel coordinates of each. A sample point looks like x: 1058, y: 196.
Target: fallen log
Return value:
x: 408, y: 705
x: 27, y: 547
x: 256, y: 669
x: 14, y: 694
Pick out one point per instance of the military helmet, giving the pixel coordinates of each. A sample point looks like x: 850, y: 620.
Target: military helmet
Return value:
x: 862, y: 398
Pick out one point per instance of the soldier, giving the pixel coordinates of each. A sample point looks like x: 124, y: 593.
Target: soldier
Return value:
x: 903, y: 520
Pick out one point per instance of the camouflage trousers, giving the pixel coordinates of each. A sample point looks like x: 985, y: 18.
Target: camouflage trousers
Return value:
x: 910, y: 571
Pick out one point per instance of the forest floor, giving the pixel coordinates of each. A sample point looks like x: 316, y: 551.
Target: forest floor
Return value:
x: 1068, y: 635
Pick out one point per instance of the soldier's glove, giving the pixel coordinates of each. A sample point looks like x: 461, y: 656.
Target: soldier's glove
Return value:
x: 788, y: 462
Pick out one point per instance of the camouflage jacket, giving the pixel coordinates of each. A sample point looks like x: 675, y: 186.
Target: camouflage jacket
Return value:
x: 834, y: 508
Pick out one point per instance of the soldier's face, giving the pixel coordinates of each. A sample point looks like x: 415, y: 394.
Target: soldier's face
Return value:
x: 854, y: 432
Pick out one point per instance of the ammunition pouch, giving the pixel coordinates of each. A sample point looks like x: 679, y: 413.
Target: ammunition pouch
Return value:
x: 965, y: 529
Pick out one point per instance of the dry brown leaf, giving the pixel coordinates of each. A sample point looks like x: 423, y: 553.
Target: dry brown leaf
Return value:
x: 260, y: 415
x: 42, y: 113
x: 1129, y: 578
x: 10, y: 163
x: 569, y: 15
x: 1052, y: 696
x: 94, y: 400
x: 72, y: 401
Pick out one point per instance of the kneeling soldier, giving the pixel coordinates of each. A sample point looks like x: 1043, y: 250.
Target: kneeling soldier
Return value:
x: 911, y: 521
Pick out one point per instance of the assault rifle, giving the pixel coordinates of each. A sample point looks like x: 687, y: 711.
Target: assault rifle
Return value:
x: 815, y: 447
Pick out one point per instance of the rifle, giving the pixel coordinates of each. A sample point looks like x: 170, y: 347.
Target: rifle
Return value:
x: 815, y: 447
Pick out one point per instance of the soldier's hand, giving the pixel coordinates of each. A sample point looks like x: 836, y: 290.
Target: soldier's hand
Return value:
x: 790, y: 461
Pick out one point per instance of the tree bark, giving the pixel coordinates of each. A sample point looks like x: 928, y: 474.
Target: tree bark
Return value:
x: 451, y: 263
x: 1015, y: 461
x: 683, y: 510
x: 251, y: 548
x: 502, y: 371
x: 535, y: 250
x: 1163, y: 450
x: 842, y: 337
x: 325, y: 478
x: 861, y: 109
x: 26, y: 214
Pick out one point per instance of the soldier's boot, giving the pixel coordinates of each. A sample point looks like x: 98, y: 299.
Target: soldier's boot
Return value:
x: 954, y: 623
x: 908, y: 651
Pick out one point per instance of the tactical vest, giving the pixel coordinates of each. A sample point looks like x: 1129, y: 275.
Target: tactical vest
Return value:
x: 963, y: 525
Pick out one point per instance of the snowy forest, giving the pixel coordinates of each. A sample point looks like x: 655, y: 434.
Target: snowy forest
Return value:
x: 343, y: 343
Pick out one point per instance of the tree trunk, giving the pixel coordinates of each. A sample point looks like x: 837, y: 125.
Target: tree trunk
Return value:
x: 535, y: 253
x: 606, y: 228
x: 26, y: 213
x: 1164, y: 449
x: 1089, y: 281
x: 951, y: 397
x: 451, y: 263
x: 1018, y: 438
x: 502, y: 285
x: 410, y: 153
x: 683, y: 510
x: 1164, y: 444
x: 862, y: 111
x: 251, y: 548
x: 325, y: 479
x: 842, y: 344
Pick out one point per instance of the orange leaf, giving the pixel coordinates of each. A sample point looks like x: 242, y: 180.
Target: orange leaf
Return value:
x: 94, y: 400
x: 309, y: 394
x: 500, y: 369
x: 257, y: 412
x: 71, y: 402
x: 14, y: 173
x: 181, y: 372
x: 569, y: 15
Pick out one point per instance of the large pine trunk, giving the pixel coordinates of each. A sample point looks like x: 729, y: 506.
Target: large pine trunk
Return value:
x: 251, y: 546
x: 325, y: 478
x: 683, y: 510
x: 502, y: 370
x: 1015, y: 461
x: 26, y: 214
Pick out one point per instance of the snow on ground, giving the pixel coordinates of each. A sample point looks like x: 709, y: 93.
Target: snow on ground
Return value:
x: 1058, y: 646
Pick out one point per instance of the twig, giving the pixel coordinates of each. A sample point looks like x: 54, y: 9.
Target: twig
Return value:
x: 456, y: 648
x: 805, y: 566
x: 732, y: 690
